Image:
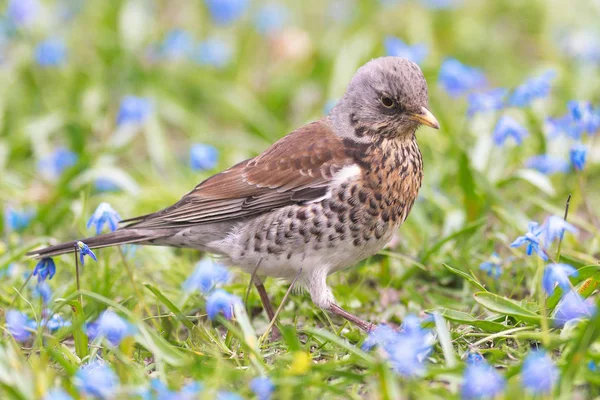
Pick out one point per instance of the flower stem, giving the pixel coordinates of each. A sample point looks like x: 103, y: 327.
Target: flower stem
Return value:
x: 542, y: 303
x: 77, y: 277
x: 560, y: 239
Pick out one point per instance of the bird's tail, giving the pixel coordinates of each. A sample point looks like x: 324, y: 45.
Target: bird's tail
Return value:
x: 118, y: 237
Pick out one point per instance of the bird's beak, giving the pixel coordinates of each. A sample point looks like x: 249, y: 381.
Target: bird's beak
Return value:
x: 425, y: 117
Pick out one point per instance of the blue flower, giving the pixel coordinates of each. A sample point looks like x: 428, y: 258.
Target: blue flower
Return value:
x: 8, y: 271
x: 585, y: 117
x: 509, y: 127
x: 111, y: 327
x: 262, y: 387
x: 189, y: 392
x: 134, y: 110
x: 493, y: 267
x: 226, y: 11
x: 547, y: 164
x: 532, y: 240
x: 572, y: 306
x: 475, y: 358
x: 406, y: 349
x: 42, y: 290
x: 203, y: 157
x: 557, y: 275
x: 458, y: 79
x: 105, y: 184
x: 18, y: 325
x: 533, y: 88
x: 487, y: 100
x: 50, y: 53
x: 104, y: 214
x: 97, y: 379
x: 22, y: 12
x: 45, y: 268
x: 57, y: 394
x: 271, y: 18
x: 214, y: 52
x: 177, y: 45
x: 397, y: 48
x: 481, y: 380
x: 222, y: 395
x: 577, y: 154
x: 380, y: 336
x: 18, y: 220
x: 554, y: 228
x: 539, y: 372
x: 557, y: 126
x: 53, y: 165
x: 583, y: 46
x: 206, y: 276
x: 84, y: 250
x: 219, y: 301
x: 55, y: 323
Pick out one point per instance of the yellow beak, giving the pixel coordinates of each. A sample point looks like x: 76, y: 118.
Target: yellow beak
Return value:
x: 425, y: 117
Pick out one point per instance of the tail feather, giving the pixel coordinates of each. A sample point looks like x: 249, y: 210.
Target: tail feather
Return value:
x: 118, y: 237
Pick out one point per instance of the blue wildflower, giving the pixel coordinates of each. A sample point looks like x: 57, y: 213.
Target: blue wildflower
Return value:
x: 57, y: 394
x: 50, y: 53
x: 17, y: 220
x: 177, y: 45
x: 547, y: 164
x: 55, y: 323
x: 262, y: 387
x: 533, y: 88
x: 203, y: 157
x: 45, y: 268
x: 555, y: 227
x: 219, y: 301
x: 487, y: 100
x: 214, y: 52
x: 22, y: 12
x: 380, y: 336
x: 577, y: 154
x: 206, y: 276
x: 271, y: 18
x: 134, y: 110
x: 586, y: 118
x: 397, y: 48
x: 493, y: 267
x: 539, y: 372
x: 532, y: 239
x: 458, y: 79
x: 572, y: 306
x: 509, y: 127
x: 54, y: 164
x: 475, y: 358
x: 104, y: 214
x: 592, y: 366
x: 42, y: 290
x: 17, y: 325
x: 97, y: 379
x: 557, y: 126
x: 189, y: 392
x: 557, y: 275
x: 583, y: 46
x: 105, y: 184
x: 8, y: 271
x: 84, y: 250
x: 226, y: 11
x: 112, y: 327
x: 481, y: 380
x: 441, y: 4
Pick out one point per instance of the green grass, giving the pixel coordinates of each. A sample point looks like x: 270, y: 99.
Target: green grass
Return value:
x: 476, y: 199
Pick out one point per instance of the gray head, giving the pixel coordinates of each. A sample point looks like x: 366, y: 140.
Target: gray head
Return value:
x: 386, y: 97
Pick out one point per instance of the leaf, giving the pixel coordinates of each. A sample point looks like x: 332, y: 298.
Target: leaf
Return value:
x: 465, y: 276
x: 502, y: 305
x: 336, y: 340
x: 466, y: 180
x: 468, y: 229
x: 79, y: 335
x: 537, y: 179
x: 467, y: 319
x: 172, y: 307
x: 445, y: 340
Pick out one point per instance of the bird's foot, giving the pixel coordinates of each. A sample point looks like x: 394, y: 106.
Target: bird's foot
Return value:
x: 362, y: 324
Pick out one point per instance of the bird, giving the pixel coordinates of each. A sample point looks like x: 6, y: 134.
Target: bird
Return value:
x: 319, y: 200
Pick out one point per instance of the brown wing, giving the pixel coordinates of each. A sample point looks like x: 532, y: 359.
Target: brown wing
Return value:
x: 297, y: 168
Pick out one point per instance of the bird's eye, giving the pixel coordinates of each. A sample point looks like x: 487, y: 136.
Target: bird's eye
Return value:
x: 387, y: 102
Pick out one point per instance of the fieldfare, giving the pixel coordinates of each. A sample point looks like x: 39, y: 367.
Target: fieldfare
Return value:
x: 320, y: 199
